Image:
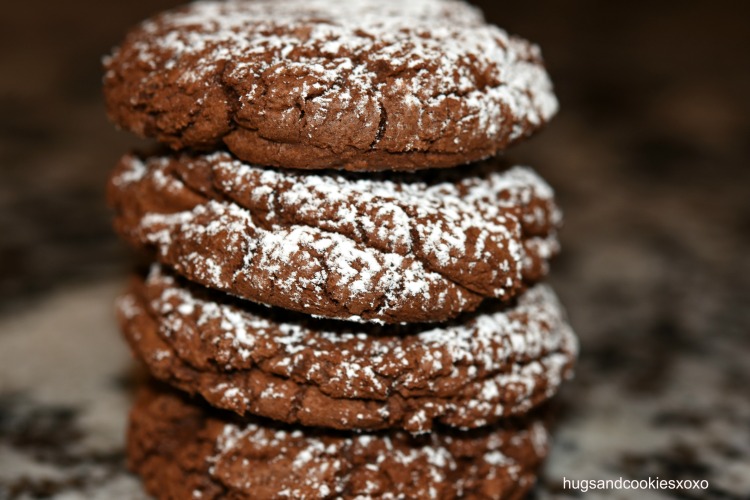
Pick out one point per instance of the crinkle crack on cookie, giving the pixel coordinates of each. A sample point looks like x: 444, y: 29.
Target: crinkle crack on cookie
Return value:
x: 183, y: 450
x: 353, y: 84
x: 404, y: 249
x: 292, y: 368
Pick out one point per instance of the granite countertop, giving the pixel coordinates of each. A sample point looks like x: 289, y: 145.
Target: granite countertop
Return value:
x: 649, y: 159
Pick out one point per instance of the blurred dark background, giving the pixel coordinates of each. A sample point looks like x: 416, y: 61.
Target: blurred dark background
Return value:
x: 650, y: 157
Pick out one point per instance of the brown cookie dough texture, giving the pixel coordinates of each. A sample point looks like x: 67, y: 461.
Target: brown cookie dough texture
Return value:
x: 403, y: 249
x: 355, y: 84
x: 184, y: 450
x: 292, y: 368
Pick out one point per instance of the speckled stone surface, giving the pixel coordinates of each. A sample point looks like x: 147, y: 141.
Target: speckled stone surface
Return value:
x: 649, y: 159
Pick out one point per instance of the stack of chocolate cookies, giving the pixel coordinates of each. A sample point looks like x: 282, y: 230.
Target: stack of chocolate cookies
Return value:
x: 350, y: 320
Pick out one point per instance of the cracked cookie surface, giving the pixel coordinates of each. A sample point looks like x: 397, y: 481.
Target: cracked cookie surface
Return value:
x: 352, y: 84
x: 394, y: 249
x: 184, y: 450
x: 295, y: 369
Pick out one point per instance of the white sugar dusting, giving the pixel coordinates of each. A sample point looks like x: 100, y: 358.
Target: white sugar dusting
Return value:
x: 316, y: 463
x: 356, y: 54
x: 437, y: 223
x: 324, y: 238
x: 358, y: 271
x: 514, y: 349
x: 134, y: 172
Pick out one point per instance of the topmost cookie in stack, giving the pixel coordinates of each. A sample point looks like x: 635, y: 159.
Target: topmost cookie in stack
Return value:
x: 360, y: 86
x: 316, y: 84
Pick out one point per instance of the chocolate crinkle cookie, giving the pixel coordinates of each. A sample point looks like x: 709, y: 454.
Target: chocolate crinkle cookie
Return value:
x: 495, y: 363
x: 333, y: 313
x: 353, y: 84
x: 182, y: 449
x: 409, y: 248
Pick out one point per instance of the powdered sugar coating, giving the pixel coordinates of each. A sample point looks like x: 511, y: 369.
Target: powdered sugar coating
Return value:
x: 341, y: 246
x: 470, y: 373
x: 319, y: 83
x: 183, y: 449
x: 435, y: 456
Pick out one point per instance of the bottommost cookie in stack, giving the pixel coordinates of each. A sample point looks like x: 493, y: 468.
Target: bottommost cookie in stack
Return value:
x: 185, y: 449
